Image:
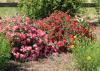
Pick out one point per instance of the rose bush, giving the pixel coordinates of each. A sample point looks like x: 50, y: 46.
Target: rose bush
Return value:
x: 62, y: 29
x: 28, y: 42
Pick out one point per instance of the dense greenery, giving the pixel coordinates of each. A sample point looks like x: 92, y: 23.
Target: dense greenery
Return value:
x: 98, y: 10
x: 42, y: 8
x: 4, y: 51
x: 87, y: 54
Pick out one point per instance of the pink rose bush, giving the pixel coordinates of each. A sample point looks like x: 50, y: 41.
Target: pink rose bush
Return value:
x: 28, y: 42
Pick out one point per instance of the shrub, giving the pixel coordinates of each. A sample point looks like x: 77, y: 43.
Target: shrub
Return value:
x: 4, y: 51
x: 62, y: 29
x: 42, y: 8
x: 28, y: 42
x: 87, y: 54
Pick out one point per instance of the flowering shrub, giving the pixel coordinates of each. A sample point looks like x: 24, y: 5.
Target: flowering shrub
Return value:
x: 62, y: 29
x: 28, y: 42
x: 58, y: 31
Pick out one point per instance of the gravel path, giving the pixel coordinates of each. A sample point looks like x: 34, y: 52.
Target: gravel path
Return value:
x: 97, y: 31
x: 62, y: 63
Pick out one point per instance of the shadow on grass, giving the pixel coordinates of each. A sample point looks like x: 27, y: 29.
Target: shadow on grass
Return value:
x: 14, y: 66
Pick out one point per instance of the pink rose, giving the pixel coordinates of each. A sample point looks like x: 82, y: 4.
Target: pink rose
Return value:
x: 28, y: 48
x: 23, y: 42
x: 40, y: 40
x: 22, y: 56
x: 27, y: 18
x: 60, y: 43
x: 34, y: 35
x: 23, y: 36
x: 8, y: 19
x: 14, y: 50
x: 27, y: 22
x: 40, y: 32
x: 14, y: 20
x: 65, y: 41
x: 15, y: 28
x: 23, y: 49
x: 17, y: 55
x: 28, y: 40
x: 46, y: 38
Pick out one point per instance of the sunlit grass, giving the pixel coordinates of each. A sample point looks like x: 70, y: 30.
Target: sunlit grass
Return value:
x: 8, y: 11
x: 88, y: 11
x: 87, y: 55
x: 8, y: 0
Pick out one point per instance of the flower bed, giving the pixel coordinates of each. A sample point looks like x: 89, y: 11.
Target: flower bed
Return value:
x: 32, y: 39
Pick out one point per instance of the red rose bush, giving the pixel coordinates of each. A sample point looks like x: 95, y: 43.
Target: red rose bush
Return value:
x: 62, y: 29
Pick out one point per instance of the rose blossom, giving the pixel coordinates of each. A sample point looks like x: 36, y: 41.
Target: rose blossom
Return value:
x: 60, y: 43
x: 22, y: 56
x: 17, y: 55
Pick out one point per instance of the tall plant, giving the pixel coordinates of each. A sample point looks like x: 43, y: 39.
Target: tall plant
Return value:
x: 41, y: 8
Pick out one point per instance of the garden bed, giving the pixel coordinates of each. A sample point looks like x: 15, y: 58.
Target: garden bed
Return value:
x: 64, y: 62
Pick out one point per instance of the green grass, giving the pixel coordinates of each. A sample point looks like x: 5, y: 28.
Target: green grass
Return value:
x: 4, y: 51
x: 90, y: 12
x: 11, y: 11
x: 87, y: 55
x: 8, y: 0
x: 8, y: 11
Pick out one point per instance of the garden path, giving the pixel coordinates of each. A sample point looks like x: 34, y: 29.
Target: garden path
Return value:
x: 62, y: 63
x: 97, y: 31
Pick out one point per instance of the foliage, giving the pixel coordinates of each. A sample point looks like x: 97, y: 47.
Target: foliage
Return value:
x: 62, y: 29
x: 4, y: 51
x: 97, y: 9
x: 86, y: 54
x: 42, y: 8
x: 32, y: 39
x: 28, y: 42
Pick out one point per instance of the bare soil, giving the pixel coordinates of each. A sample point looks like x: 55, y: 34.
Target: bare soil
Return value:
x: 62, y: 63
x: 97, y: 32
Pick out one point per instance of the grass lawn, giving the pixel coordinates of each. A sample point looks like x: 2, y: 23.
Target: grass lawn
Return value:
x: 12, y: 11
x: 8, y: 11
x: 8, y: 0
x: 89, y: 11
